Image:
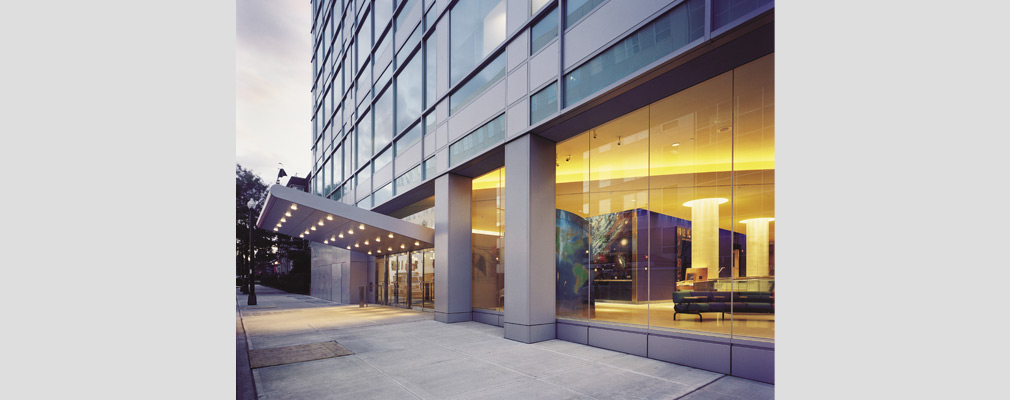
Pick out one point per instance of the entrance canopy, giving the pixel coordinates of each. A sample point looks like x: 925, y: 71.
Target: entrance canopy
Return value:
x: 299, y: 214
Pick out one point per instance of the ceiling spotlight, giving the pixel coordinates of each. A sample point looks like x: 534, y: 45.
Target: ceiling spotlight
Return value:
x: 313, y: 227
x: 362, y: 226
x: 391, y: 235
x: 301, y: 235
x: 723, y: 129
x: 287, y: 214
x: 320, y: 222
x: 402, y: 246
x: 366, y: 243
x: 333, y: 239
x: 378, y: 239
x: 675, y: 144
x: 355, y: 245
x: 341, y: 235
x: 294, y: 206
x: 329, y: 218
x: 278, y: 224
x: 379, y: 250
x: 416, y: 244
x: 350, y: 231
x: 369, y: 253
x: 284, y: 219
x: 348, y: 247
x: 275, y: 229
x: 326, y: 242
x: 389, y: 248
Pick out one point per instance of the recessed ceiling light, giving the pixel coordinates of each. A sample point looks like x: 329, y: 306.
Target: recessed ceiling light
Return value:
x: 275, y: 229
x: 284, y: 219
x: 287, y: 214
x: 301, y: 235
x: 379, y: 250
x: 366, y: 243
x: 369, y: 253
x: 348, y: 247
x: 389, y: 248
x: 313, y: 227
x: 390, y: 235
x: 294, y: 206
x: 378, y: 239
x: 320, y: 222
x: 362, y: 226
x: 417, y: 244
x: 402, y: 246
x: 326, y: 242
x: 350, y: 231
x: 329, y: 218
x: 333, y: 238
x: 675, y: 144
x: 724, y: 129
x: 341, y: 235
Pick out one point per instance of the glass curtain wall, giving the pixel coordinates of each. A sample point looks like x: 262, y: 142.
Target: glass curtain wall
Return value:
x: 488, y: 232
x: 670, y: 210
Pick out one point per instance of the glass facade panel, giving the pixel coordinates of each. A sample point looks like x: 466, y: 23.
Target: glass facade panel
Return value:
x: 364, y: 132
x: 544, y: 31
x: 364, y: 40
x: 544, y: 103
x: 408, y: 139
x: 665, y: 216
x: 408, y: 180
x: 383, y: 159
x: 726, y: 11
x: 408, y: 93
x: 384, y: 119
x: 666, y: 34
x: 383, y: 13
x: 536, y: 5
x: 576, y: 9
x: 383, y: 194
x: 430, y: 69
x: 475, y: 28
x: 482, y: 81
x: 488, y: 226
x: 491, y: 133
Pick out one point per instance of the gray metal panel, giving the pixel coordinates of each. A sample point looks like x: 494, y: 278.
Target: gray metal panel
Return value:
x: 753, y: 363
x: 383, y: 176
x: 364, y: 189
x: 453, y: 269
x: 408, y: 159
x: 442, y: 135
x: 442, y: 160
x: 490, y: 319
x: 623, y: 341
x: 605, y: 24
x: 518, y: 118
x: 517, y: 12
x: 343, y: 282
x: 517, y: 87
x: 517, y: 50
x: 442, y: 111
x: 693, y: 353
x: 477, y: 112
x: 544, y: 66
x: 529, y: 333
x: 573, y: 333
x: 429, y: 145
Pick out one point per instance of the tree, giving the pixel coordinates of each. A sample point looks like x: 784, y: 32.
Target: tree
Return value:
x: 268, y: 246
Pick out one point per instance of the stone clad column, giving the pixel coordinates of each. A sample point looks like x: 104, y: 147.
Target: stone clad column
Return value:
x: 529, y: 239
x: 453, y: 269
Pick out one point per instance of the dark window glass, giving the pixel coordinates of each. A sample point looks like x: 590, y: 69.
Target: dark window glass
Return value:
x: 576, y: 9
x: 544, y: 103
x: 544, y: 31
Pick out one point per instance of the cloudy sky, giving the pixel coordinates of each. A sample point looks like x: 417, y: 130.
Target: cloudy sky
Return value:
x: 273, y: 65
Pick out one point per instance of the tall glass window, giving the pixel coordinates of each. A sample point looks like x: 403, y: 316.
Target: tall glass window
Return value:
x: 408, y: 139
x: 482, y: 81
x: 384, y: 119
x: 544, y: 31
x: 475, y: 28
x: 666, y: 34
x: 364, y: 131
x: 408, y: 93
x: 364, y: 39
x: 488, y: 227
x: 666, y: 215
x: 383, y: 13
x: 430, y: 69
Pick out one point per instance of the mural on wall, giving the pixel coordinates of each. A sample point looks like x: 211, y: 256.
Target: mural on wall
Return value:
x: 572, y: 260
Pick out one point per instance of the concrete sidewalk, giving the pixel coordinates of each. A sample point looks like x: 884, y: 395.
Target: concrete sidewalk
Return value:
x: 405, y: 354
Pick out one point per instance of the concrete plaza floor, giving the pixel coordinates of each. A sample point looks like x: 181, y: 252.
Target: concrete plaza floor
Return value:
x: 405, y: 354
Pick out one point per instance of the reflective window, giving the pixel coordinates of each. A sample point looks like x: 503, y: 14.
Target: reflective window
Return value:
x: 576, y: 9
x: 726, y: 11
x: 671, y: 31
x: 536, y: 5
x: 365, y: 203
x: 429, y: 168
x: 364, y: 40
x: 405, y: 15
x: 477, y: 141
x: 488, y: 235
x: 364, y: 132
x: 475, y: 28
x: 666, y: 215
x: 544, y: 103
x: 430, y: 69
x: 384, y: 119
x: 383, y: 159
x: 544, y: 31
x: 409, y: 179
x: 408, y: 139
x: 408, y: 93
x: 491, y: 74
x: 383, y: 194
x: 383, y: 13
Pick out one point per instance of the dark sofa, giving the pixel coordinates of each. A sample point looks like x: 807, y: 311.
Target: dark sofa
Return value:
x: 689, y: 302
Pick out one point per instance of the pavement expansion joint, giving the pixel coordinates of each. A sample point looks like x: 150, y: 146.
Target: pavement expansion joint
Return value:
x: 260, y: 358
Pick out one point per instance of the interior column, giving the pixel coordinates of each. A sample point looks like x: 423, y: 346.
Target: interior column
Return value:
x: 529, y: 239
x: 453, y: 269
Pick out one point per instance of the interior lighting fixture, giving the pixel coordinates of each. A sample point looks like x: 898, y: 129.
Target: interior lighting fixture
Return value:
x: 391, y: 235
x: 333, y: 239
x: 378, y: 239
x: 402, y: 246
x: 389, y: 248
x: 284, y: 219
x: 675, y: 144
x: 568, y: 158
x: 313, y: 227
x: 355, y: 245
x: 341, y: 235
x: 348, y: 247
x: 618, y: 140
x: 329, y: 218
x: 379, y: 250
x: 369, y: 253
x: 320, y: 222
x: 287, y: 214
x: 417, y: 244
x: 275, y: 229
x: 366, y: 243
x: 362, y: 226
x: 350, y: 231
x: 326, y: 242
x: 301, y: 235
